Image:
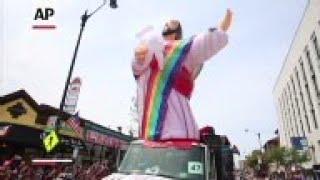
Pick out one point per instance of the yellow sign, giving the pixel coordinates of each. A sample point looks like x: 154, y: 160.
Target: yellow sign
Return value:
x: 51, y: 141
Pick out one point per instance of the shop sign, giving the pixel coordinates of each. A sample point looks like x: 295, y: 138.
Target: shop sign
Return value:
x: 299, y: 143
x: 98, y: 138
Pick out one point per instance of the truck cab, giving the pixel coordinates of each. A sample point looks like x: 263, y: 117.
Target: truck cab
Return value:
x: 173, y: 159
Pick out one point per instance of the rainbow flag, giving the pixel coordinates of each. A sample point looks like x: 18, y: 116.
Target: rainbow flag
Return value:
x: 159, y: 87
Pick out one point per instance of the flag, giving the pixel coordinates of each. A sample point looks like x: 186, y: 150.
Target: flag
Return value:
x: 74, y: 123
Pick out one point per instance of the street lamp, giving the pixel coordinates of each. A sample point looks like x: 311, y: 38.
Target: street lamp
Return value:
x: 260, y: 159
x: 113, y: 4
x: 259, y: 138
x: 84, y: 19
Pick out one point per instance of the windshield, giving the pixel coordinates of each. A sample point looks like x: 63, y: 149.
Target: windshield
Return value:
x: 168, y: 162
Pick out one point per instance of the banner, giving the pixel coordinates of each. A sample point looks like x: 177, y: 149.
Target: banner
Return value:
x: 299, y: 143
x: 102, y: 139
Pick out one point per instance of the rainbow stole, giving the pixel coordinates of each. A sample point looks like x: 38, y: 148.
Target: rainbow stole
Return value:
x: 159, y: 87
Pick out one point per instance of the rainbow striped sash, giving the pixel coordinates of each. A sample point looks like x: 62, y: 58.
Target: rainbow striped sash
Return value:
x: 159, y: 87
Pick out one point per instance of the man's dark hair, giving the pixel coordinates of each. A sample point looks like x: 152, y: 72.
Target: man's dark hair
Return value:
x: 173, y: 26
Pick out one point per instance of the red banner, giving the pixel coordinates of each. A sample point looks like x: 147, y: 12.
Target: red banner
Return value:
x: 98, y: 138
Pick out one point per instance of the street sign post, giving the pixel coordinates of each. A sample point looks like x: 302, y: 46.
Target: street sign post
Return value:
x: 51, y: 141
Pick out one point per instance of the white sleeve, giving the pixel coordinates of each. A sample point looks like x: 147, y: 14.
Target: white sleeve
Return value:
x: 206, y: 45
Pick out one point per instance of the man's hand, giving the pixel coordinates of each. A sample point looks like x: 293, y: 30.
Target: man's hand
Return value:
x: 141, y: 52
x: 225, y: 24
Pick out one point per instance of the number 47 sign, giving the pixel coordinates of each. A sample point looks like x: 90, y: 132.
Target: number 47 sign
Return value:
x: 195, y: 167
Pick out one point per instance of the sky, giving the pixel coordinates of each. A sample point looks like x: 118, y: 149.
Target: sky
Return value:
x: 232, y: 93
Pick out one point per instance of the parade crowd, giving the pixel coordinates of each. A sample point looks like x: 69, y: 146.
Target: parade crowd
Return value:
x: 20, y: 169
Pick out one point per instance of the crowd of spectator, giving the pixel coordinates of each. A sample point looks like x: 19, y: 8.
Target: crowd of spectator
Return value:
x: 17, y: 168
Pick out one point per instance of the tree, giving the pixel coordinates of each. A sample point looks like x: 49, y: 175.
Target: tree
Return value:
x: 134, y: 109
x: 277, y: 155
x: 253, y: 159
x: 133, y: 129
x: 294, y: 157
x: 257, y: 161
x: 286, y: 157
x: 260, y: 162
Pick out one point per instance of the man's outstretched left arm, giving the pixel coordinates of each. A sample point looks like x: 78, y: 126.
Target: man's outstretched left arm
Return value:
x: 207, y: 44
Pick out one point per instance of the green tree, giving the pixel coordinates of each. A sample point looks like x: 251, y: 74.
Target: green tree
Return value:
x: 253, y: 159
x: 257, y: 161
x: 280, y: 156
x: 277, y: 155
x: 286, y: 157
x: 294, y: 157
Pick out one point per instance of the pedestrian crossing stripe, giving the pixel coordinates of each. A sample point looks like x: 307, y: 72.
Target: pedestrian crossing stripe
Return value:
x: 51, y: 141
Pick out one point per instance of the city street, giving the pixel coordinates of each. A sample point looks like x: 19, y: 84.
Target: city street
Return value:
x: 160, y: 89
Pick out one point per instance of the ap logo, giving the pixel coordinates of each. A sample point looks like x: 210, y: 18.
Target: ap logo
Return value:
x: 44, y: 13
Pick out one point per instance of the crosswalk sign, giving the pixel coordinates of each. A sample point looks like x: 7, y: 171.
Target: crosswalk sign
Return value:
x: 51, y: 141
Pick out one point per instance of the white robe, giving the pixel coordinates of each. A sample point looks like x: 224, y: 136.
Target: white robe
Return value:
x: 179, y: 121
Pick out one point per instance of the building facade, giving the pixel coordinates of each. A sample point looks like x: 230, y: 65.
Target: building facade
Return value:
x: 23, y: 122
x: 297, y: 90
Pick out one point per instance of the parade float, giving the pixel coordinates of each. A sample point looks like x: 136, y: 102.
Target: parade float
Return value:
x: 171, y: 159
x: 165, y: 66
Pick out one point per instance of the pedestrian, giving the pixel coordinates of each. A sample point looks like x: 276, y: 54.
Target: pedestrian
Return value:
x: 165, y: 84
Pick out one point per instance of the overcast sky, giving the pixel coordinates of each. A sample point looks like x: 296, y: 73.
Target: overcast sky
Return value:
x: 233, y: 92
